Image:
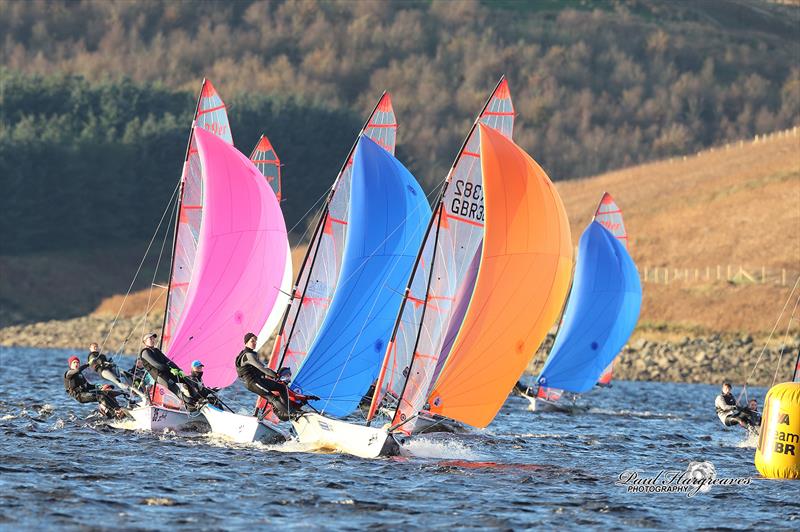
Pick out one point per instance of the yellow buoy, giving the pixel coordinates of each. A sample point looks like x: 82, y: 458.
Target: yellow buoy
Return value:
x: 778, y: 451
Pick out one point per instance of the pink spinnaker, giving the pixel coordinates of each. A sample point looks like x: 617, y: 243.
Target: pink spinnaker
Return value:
x: 239, y: 265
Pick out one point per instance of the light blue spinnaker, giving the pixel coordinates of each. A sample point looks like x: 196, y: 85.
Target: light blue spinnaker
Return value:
x: 602, y: 311
x: 388, y: 216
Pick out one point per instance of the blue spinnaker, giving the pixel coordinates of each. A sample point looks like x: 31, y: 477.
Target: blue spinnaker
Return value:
x: 388, y: 216
x: 601, y: 313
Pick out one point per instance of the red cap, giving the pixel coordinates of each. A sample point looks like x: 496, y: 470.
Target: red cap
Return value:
x: 75, y: 359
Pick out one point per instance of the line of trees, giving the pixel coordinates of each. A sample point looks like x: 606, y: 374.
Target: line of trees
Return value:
x: 597, y: 85
x: 88, y: 164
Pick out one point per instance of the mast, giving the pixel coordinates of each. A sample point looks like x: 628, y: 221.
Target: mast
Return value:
x: 177, y: 214
x: 210, y: 115
x: 312, y: 253
x: 796, y: 376
x: 439, y: 215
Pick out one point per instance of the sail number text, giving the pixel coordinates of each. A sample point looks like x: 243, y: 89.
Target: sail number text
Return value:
x: 468, y: 201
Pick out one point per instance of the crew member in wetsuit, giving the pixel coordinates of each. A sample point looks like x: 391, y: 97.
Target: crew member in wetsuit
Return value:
x: 266, y: 383
x: 82, y: 391
x: 196, y: 378
x: 521, y: 389
x: 729, y: 411
x: 752, y: 406
x: 165, y: 372
x: 137, y: 373
x: 109, y: 371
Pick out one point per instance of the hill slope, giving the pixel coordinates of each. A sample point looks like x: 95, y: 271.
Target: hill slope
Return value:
x: 738, y: 205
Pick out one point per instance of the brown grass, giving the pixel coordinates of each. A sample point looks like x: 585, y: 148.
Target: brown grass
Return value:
x: 724, y: 206
x: 137, y: 302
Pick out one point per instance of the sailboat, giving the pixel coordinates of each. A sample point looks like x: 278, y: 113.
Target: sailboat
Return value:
x: 319, y: 273
x: 441, y: 282
x: 601, y: 313
x: 388, y: 212
x: 609, y: 215
x: 520, y: 284
x: 165, y: 410
x: 521, y: 278
x: 211, y: 300
x: 238, y: 427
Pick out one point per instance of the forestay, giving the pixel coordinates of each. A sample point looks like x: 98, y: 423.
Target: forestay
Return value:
x: 210, y: 115
x: 388, y: 213
x: 230, y: 292
x: 441, y: 281
x: 319, y: 272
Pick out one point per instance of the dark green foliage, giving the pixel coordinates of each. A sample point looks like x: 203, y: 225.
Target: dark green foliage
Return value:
x: 597, y: 85
x: 84, y: 165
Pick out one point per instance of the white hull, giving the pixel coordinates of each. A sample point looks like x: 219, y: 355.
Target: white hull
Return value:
x: 427, y: 423
x: 157, y: 418
x: 537, y: 404
x: 241, y: 429
x: 325, y: 434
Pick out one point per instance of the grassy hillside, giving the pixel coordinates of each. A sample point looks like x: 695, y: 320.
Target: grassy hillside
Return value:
x: 735, y: 205
x: 738, y: 205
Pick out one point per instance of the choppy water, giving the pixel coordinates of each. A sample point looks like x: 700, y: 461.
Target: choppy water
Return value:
x: 526, y: 470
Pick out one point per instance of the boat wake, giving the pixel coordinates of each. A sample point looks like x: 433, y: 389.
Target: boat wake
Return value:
x: 430, y: 446
x: 646, y: 414
x: 750, y: 441
x: 292, y: 445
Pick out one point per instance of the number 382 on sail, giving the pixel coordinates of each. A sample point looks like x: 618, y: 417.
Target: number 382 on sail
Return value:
x: 468, y: 201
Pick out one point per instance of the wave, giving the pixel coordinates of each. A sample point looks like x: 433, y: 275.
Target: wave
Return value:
x: 439, y: 446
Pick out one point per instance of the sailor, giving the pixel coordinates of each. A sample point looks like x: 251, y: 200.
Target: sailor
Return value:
x: 197, y: 372
x: 165, y: 372
x: 752, y: 406
x: 729, y: 411
x: 195, y: 379
x: 521, y: 389
x: 137, y: 373
x: 79, y: 389
x: 266, y: 383
x: 109, y: 371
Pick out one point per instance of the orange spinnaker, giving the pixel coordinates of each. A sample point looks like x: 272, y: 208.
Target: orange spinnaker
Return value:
x: 521, y: 286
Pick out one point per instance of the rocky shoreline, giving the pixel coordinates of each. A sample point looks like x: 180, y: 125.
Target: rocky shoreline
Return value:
x: 648, y: 357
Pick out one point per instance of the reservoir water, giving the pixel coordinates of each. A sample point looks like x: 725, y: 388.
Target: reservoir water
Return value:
x: 526, y: 470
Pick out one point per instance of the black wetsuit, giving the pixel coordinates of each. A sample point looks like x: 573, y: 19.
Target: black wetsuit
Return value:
x: 730, y: 412
x: 161, y: 368
x: 521, y: 389
x: 106, y: 369
x: 196, y: 381
x: 82, y: 391
x: 263, y: 382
